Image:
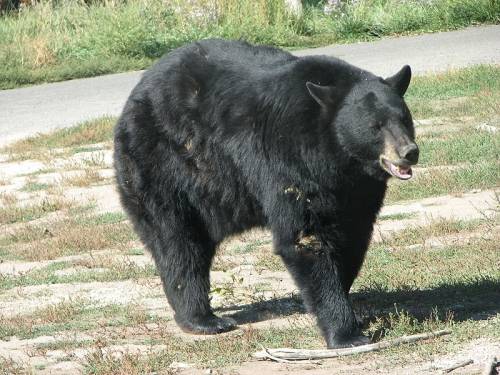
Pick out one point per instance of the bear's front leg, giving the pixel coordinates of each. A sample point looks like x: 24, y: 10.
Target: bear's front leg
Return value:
x: 318, y: 272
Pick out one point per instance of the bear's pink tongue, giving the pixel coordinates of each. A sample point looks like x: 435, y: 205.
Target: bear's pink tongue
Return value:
x: 403, y: 173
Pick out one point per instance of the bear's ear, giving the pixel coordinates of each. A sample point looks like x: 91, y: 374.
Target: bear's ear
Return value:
x: 401, y: 80
x: 322, y: 94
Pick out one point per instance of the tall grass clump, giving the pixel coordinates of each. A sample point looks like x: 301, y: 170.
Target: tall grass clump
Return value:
x: 63, y: 39
x: 365, y: 19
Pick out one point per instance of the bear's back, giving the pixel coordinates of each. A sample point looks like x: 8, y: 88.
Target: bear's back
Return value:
x: 227, y: 55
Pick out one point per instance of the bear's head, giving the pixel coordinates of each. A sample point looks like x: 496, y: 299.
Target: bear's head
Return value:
x: 372, y: 123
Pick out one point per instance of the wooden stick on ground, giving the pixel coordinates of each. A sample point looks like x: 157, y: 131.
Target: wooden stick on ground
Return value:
x: 458, y: 365
x: 305, y: 354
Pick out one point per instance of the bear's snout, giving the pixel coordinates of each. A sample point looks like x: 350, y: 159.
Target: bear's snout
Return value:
x: 409, y: 153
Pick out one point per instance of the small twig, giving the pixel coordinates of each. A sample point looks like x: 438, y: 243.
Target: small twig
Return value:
x: 458, y: 365
x: 304, y: 354
x: 489, y: 367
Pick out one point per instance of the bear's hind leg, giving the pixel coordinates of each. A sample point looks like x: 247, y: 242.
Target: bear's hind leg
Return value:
x: 183, y: 256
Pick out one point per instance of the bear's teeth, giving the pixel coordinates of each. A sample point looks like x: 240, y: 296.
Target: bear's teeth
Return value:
x: 404, y: 172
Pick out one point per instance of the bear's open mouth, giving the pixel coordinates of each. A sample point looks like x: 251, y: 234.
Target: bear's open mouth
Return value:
x: 401, y: 171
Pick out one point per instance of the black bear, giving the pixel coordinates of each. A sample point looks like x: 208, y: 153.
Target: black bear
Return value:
x: 221, y: 136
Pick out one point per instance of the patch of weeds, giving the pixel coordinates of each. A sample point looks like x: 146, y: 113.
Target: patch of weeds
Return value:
x: 5, y: 254
x: 99, y: 362
x: 45, y: 170
x: 105, y: 218
x: 44, y: 275
x: 229, y: 290
x: 262, y: 287
x: 269, y: 261
x: 8, y: 199
x: 35, y: 186
x: 73, y: 235
x: 223, y: 263
x: 439, y: 182
x: 82, y: 317
x: 95, y: 160
x: 62, y: 311
x: 398, y: 216
x: 216, y: 352
x: 25, y: 233
x: 79, y: 149
x: 62, y: 345
x: 442, y: 274
x: 136, y: 251
x: 10, y: 367
x: 249, y: 248
x: 400, y: 322
x: 82, y: 209
x: 89, y: 132
x: 16, y: 214
x: 86, y: 178
x: 107, y: 271
x: 437, y: 228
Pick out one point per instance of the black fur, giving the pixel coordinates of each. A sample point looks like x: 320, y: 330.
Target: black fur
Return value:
x: 222, y: 136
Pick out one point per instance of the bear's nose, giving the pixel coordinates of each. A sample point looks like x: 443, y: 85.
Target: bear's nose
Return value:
x: 410, y: 153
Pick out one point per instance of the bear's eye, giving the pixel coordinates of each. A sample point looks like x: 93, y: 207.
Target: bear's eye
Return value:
x: 377, y: 125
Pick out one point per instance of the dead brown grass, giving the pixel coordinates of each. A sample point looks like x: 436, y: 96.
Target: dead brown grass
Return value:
x: 83, y: 179
x: 61, y: 312
x: 90, y: 132
x: 103, y: 363
x: 8, y: 199
x: 435, y: 229
x: 65, y: 237
x: 10, y: 367
x: 39, y: 52
x: 15, y: 213
x: 270, y: 261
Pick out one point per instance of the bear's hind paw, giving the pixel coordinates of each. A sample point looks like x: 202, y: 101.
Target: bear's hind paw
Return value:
x: 349, y: 342
x: 208, y: 325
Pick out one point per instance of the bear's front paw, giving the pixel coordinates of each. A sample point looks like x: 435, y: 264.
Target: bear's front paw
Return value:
x: 206, y: 325
x: 348, y: 342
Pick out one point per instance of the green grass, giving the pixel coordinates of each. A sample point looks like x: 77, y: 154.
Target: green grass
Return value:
x: 35, y: 186
x: 473, y: 92
x: 466, y: 145
x: 48, y: 275
x: 468, y: 265
x: 398, y: 216
x: 456, y: 83
x: 78, y: 315
x: 483, y: 175
x: 13, y: 213
x: 88, y: 132
x: 67, y: 236
x: 441, y: 227
x: 105, y: 218
x: 57, y: 41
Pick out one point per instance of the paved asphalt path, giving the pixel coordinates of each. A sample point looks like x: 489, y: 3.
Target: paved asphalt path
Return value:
x: 30, y: 110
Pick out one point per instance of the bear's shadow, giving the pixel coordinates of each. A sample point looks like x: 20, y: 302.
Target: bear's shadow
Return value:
x: 476, y: 301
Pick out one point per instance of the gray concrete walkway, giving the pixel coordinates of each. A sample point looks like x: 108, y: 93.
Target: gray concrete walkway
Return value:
x: 46, y: 107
